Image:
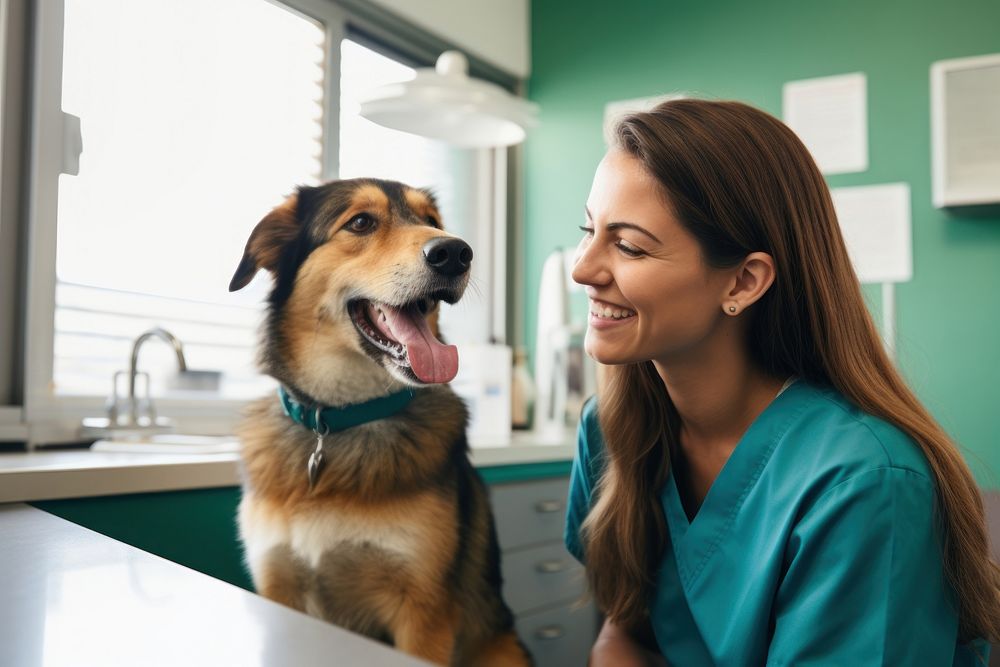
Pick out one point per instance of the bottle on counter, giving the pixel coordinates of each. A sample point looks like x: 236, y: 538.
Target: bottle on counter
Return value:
x: 522, y: 391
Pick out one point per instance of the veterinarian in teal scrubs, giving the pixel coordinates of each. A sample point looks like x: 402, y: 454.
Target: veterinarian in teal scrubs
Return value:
x: 754, y: 484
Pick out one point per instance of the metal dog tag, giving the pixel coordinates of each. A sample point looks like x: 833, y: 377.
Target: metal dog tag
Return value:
x: 316, y: 461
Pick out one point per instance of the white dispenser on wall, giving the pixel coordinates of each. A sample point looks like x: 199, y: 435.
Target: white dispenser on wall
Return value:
x: 564, y: 374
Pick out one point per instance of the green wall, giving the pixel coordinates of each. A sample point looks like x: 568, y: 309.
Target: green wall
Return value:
x: 588, y: 52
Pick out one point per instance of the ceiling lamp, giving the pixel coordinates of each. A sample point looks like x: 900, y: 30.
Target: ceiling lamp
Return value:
x: 445, y: 103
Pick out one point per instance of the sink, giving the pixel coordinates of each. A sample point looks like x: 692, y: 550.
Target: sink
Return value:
x: 171, y: 443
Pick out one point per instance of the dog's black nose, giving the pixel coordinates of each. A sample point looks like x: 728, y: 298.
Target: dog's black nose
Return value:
x: 448, y: 256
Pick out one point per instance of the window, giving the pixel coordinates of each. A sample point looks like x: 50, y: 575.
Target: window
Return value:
x: 195, y: 119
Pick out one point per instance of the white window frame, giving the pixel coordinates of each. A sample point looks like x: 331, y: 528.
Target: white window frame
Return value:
x: 48, y: 418
x: 11, y: 416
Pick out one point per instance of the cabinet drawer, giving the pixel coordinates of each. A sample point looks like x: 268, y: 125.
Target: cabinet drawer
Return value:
x: 529, y: 512
x: 540, y: 577
x: 559, y: 637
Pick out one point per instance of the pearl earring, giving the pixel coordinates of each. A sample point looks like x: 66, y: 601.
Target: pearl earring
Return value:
x: 732, y: 309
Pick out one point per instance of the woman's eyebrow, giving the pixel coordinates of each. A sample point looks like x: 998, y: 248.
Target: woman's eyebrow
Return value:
x: 622, y: 225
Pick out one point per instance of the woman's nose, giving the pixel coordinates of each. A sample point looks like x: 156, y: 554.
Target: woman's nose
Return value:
x: 587, y: 269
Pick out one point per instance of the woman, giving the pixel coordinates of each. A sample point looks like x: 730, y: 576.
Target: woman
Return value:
x: 755, y: 483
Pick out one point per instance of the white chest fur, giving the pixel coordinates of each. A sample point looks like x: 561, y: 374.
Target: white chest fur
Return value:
x: 311, y: 533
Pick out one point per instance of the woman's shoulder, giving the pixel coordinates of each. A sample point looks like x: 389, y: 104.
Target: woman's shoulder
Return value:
x: 589, y: 429
x: 588, y: 415
x: 831, y: 437
x: 589, y: 440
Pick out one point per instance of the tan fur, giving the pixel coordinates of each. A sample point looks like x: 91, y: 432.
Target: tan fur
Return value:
x: 503, y: 651
x: 422, y: 205
x: 263, y: 247
x: 366, y: 198
x: 374, y: 546
x: 427, y: 631
x: 281, y: 579
x: 276, y: 494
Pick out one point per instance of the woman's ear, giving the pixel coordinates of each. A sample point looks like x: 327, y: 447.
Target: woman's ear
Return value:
x: 753, y: 278
x: 263, y: 249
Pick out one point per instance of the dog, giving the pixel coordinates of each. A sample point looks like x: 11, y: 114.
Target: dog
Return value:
x: 359, y: 504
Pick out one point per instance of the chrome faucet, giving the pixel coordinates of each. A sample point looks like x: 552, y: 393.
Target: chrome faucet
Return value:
x: 132, y: 415
x: 165, y: 335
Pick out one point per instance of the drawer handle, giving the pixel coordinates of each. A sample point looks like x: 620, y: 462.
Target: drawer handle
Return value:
x: 551, y: 566
x: 550, y: 632
x: 547, y: 506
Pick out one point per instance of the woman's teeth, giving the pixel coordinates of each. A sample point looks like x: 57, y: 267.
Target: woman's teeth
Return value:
x: 608, y: 312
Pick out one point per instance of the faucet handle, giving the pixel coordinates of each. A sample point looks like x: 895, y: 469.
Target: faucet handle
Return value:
x: 126, y: 410
x: 143, y: 410
x: 111, y: 405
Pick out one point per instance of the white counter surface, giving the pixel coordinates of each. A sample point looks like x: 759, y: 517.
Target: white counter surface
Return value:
x: 72, y: 597
x: 50, y: 475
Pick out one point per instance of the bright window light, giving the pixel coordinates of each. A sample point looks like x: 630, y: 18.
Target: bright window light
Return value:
x: 197, y: 118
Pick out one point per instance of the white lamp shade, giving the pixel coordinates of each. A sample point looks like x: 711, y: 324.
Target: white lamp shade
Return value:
x: 445, y: 103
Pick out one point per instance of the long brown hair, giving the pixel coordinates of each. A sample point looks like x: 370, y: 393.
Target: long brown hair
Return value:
x: 740, y: 181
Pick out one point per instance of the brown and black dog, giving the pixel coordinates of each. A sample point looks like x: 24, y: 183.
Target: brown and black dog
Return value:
x: 388, y: 532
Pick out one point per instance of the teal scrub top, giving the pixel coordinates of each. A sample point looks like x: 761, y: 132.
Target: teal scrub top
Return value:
x: 816, y: 544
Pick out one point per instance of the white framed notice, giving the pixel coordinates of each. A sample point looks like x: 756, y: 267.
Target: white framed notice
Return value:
x: 877, y: 228
x: 965, y: 131
x: 830, y: 115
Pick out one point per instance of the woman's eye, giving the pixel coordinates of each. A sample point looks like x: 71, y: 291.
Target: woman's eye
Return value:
x: 361, y: 224
x: 628, y: 250
x: 589, y: 231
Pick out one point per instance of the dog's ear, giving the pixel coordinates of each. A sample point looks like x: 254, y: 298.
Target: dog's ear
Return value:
x: 263, y: 250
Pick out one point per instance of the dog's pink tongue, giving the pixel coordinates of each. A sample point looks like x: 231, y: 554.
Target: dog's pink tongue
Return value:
x: 430, y: 360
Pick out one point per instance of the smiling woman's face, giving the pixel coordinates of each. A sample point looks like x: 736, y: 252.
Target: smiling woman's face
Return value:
x: 652, y: 296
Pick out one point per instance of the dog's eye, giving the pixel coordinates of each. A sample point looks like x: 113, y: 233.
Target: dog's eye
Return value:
x: 361, y: 224
x: 432, y: 221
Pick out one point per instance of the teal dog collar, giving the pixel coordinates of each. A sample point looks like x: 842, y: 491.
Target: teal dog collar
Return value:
x: 331, y: 419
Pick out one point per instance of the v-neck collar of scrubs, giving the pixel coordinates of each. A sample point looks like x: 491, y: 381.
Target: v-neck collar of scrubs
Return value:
x: 696, y: 540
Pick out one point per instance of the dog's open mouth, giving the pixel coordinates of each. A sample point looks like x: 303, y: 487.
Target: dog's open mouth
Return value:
x: 402, y: 334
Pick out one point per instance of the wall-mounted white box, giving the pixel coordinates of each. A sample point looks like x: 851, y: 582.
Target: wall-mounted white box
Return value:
x: 965, y: 131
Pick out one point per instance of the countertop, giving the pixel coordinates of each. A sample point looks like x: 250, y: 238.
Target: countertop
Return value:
x: 72, y: 597
x: 55, y: 474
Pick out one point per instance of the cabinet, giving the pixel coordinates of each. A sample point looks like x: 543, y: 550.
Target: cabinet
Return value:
x: 543, y: 583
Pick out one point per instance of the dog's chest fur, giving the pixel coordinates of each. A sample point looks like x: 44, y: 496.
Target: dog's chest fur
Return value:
x: 314, y: 533
x: 381, y: 521
x: 345, y: 567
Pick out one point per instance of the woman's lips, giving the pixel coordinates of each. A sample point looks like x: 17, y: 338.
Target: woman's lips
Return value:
x: 609, y: 310
x: 604, y: 315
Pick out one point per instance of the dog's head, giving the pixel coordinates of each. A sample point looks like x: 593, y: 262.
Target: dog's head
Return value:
x: 359, y: 267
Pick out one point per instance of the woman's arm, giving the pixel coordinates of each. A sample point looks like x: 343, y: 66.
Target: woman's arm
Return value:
x: 615, y: 648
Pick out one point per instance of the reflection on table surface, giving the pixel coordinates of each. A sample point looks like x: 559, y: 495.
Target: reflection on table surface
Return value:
x: 69, y: 596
